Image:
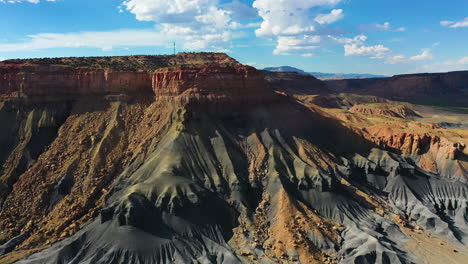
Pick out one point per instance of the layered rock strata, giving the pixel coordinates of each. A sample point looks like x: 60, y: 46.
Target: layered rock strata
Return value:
x: 162, y: 179
x: 405, y: 86
x: 32, y: 81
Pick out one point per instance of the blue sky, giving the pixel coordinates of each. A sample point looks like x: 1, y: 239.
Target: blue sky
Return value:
x: 346, y: 36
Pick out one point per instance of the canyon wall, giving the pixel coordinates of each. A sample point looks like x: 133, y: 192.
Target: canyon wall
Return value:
x: 295, y: 83
x: 160, y: 178
x: 209, y: 83
x: 38, y: 80
x: 184, y: 84
x: 405, y: 86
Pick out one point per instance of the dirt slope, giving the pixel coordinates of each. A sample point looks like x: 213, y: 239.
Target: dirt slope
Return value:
x: 210, y: 165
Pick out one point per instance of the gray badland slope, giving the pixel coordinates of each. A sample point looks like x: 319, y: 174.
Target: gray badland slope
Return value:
x: 181, y: 201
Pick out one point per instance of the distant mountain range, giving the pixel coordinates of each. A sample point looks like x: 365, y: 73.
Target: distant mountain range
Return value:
x: 324, y: 76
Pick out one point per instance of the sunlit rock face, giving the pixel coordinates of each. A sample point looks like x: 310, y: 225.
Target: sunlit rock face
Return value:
x: 206, y: 160
x: 65, y: 80
x: 212, y: 83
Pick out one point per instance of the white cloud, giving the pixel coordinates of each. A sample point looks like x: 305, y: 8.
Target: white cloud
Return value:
x: 425, y: 55
x: 454, y: 24
x: 333, y: 16
x: 194, y: 24
x: 179, y: 11
x: 200, y: 23
x: 237, y: 25
x: 374, y: 52
x: 299, y: 29
x: 399, y: 59
x: 356, y: 47
x: 396, y: 59
x: 279, y: 17
x: 446, y: 23
x: 301, y: 45
x: 258, y: 65
x: 240, y: 10
x: 108, y: 40
x: 93, y: 39
x: 386, y: 26
x: 295, y: 24
x: 358, y: 39
x: 445, y: 66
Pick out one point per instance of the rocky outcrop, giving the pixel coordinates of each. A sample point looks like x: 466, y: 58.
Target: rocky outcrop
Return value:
x: 295, y: 83
x: 55, y: 80
x: 157, y: 180
x: 408, y: 143
x: 405, y: 86
x: 211, y: 83
x: 223, y: 81
x: 434, y: 153
x: 397, y: 110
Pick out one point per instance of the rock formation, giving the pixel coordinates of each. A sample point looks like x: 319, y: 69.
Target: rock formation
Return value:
x: 236, y: 84
x: 397, y: 110
x: 53, y: 80
x: 409, y: 86
x: 202, y: 161
x: 295, y: 83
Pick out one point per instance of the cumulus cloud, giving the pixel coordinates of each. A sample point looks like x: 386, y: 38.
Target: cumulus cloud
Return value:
x: 295, y: 24
x: 237, y: 25
x: 240, y: 11
x: 425, y: 55
x: 302, y: 45
x: 333, y: 16
x: 386, y: 26
x: 200, y: 23
x: 195, y: 24
x: 374, y: 52
x: 300, y: 29
x: 455, y: 24
x: 287, y: 17
x: 181, y: 11
x: 356, y: 47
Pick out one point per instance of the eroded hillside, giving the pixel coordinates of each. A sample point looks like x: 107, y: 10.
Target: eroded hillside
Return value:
x: 208, y: 161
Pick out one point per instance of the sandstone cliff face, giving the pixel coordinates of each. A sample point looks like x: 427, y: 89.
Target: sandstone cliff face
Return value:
x: 54, y: 80
x: 434, y: 153
x: 405, y: 86
x: 399, y: 111
x: 211, y: 83
x: 295, y: 83
x: 281, y: 181
x: 220, y: 81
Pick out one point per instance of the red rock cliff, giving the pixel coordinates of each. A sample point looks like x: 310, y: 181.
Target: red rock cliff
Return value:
x: 40, y: 80
x: 405, y: 86
x: 215, y: 82
x: 437, y: 153
x: 211, y: 83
